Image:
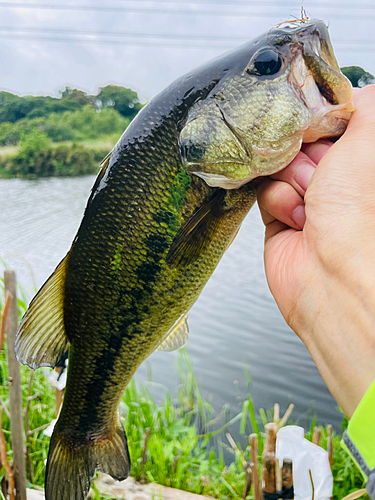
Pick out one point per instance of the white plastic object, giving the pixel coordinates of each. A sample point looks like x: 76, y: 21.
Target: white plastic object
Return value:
x: 58, y: 379
x: 305, y: 455
x: 48, y: 432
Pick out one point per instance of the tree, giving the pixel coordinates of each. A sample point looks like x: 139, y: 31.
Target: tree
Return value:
x: 123, y: 100
x: 358, y: 76
x: 14, y: 107
x: 76, y: 98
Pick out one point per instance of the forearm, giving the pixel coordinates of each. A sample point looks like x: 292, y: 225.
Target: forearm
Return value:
x: 336, y: 321
x: 320, y: 266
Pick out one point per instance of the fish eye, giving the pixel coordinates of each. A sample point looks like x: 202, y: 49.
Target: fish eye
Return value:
x: 267, y: 62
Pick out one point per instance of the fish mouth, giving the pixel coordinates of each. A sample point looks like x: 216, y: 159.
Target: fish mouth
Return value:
x: 318, y: 83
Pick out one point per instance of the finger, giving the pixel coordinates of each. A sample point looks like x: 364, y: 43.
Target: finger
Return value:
x: 316, y: 150
x: 274, y: 228
x: 298, y: 173
x: 280, y: 201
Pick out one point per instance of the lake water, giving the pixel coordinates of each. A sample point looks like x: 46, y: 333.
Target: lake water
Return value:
x: 235, y: 324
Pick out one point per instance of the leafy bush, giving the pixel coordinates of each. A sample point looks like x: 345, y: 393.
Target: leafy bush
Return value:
x: 32, y: 144
x: 83, y: 124
x: 76, y: 120
x: 358, y: 76
x: 61, y: 160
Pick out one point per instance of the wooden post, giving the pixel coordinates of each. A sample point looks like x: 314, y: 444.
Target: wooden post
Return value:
x: 269, y: 458
x: 15, y: 392
x: 278, y: 476
x: 270, y: 441
x: 330, y: 445
x: 287, y: 473
x: 316, y: 436
x: 276, y: 413
x: 269, y: 472
x: 248, y: 471
x: 254, y: 466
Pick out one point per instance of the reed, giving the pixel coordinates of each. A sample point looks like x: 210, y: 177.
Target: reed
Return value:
x: 179, y: 441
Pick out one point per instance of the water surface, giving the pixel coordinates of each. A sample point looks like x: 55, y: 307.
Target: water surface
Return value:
x: 234, y: 325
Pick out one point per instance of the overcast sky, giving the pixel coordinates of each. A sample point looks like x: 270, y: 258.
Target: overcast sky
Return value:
x: 86, y: 44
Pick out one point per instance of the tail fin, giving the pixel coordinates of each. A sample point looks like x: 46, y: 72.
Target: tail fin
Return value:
x: 71, y: 466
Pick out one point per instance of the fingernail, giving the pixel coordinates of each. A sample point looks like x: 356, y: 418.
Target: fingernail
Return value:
x: 304, y: 174
x: 299, y: 216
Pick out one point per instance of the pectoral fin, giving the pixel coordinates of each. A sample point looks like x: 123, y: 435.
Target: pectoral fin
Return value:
x: 41, y: 339
x: 197, y: 233
x: 176, y: 338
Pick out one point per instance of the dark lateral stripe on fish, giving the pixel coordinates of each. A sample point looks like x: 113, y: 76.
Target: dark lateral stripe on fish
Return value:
x: 147, y: 272
x: 103, y: 364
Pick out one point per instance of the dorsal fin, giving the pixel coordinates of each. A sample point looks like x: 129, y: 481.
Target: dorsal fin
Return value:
x: 41, y: 339
x: 177, y: 336
x: 197, y: 233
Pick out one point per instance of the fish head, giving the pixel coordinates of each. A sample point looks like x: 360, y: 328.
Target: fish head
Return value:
x: 279, y: 90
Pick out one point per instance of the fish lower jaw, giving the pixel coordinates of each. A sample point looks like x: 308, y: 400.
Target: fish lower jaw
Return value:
x: 329, y: 125
x: 265, y: 161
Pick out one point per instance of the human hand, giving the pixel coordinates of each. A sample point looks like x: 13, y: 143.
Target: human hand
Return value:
x: 319, y: 214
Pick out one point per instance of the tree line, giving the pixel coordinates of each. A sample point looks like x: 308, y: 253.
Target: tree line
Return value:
x: 69, y: 135
x: 51, y: 135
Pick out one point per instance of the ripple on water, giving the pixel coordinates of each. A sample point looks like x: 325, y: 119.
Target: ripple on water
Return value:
x: 235, y: 324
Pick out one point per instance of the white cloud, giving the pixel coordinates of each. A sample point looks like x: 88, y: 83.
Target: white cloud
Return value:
x: 31, y: 66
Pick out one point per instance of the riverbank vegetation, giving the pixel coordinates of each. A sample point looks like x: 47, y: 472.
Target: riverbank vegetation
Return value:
x: 43, y: 136
x: 178, y: 441
x: 47, y: 136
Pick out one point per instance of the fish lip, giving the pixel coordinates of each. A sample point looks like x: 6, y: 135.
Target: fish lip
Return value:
x: 319, y: 112
x: 307, y: 91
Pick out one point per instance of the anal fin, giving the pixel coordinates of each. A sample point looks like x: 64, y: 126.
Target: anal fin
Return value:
x: 41, y: 339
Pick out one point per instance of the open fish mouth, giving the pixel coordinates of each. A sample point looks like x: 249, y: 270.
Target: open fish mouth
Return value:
x: 289, y: 90
x: 318, y: 83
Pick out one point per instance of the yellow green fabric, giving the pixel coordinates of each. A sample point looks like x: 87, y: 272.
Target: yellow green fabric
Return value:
x: 361, y: 429
x: 343, y: 445
x: 359, y: 438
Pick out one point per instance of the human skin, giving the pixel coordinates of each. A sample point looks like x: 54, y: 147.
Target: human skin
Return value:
x: 319, y: 214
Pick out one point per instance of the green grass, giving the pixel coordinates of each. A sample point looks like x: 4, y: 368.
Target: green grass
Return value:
x: 8, y: 150
x: 186, y: 440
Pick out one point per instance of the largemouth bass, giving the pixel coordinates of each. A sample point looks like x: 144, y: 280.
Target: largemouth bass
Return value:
x: 166, y: 205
